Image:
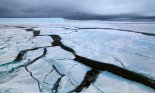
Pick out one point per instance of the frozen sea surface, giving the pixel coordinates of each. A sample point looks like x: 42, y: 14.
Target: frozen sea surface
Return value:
x: 55, y: 55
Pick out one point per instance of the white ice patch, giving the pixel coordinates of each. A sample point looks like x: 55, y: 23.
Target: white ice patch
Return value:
x: 21, y: 83
x: 55, y: 53
x: 110, y: 83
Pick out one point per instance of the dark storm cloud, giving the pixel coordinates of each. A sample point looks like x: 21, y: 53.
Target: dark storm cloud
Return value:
x: 75, y: 8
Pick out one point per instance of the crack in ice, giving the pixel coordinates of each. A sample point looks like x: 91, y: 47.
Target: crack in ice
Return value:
x: 34, y: 78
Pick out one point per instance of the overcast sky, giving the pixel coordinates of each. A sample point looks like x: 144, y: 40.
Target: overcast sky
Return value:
x: 74, y: 8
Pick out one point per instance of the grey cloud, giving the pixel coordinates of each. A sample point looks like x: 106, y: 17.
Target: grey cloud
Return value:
x: 75, y: 8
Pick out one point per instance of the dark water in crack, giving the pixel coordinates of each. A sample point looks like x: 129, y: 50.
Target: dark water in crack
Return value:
x: 89, y: 78
x: 36, y: 33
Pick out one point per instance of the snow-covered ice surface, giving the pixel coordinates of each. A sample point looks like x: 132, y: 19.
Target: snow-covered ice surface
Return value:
x: 44, y: 56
